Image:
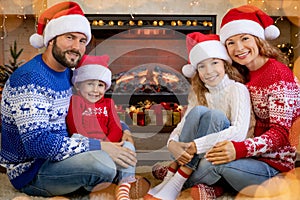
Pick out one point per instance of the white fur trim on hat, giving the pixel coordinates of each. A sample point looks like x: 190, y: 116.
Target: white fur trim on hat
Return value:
x: 272, y: 32
x: 239, y: 27
x: 188, y: 70
x: 208, y: 49
x: 92, y: 72
x: 36, y: 40
x: 67, y: 24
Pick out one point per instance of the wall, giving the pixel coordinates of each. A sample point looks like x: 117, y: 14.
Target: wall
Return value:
x: 19, y: 30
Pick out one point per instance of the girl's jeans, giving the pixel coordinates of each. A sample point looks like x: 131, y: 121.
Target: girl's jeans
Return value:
x: 199, y: 122
x: 239, y: 173
x: 85, y: 170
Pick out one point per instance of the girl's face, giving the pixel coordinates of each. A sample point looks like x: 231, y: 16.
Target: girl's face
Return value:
x: 211, y: 71
x: 91, y: 90
x: 243, y: 49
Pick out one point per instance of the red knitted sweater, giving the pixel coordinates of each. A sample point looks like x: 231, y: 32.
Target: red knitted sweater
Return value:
x: 276, y: 103
x: 94, y: 120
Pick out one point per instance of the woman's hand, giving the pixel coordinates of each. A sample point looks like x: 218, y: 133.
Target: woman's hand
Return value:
x: 179, y: 151
x: 221, y: 153
x: 120, y: 155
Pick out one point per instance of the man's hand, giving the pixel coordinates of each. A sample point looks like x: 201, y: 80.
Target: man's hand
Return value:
x: 178, y: 150
x: 121, y: 155
x: 221, y: 153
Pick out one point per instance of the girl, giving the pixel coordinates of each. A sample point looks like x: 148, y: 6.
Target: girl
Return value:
x: 219, y: 108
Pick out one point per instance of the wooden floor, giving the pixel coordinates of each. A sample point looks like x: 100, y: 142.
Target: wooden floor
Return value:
x: 151, y: 148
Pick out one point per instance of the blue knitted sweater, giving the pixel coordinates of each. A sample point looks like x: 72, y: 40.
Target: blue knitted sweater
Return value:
x: 34, y: 105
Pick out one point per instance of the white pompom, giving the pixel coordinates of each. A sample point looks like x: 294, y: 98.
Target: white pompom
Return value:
x: 36, y: 40
x: 188, y: 70
x: 271, y: 32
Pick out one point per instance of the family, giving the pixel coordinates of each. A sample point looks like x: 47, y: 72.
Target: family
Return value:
x: 60, y: 134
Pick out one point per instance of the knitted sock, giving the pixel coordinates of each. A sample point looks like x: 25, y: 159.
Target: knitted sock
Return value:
x: 169, y: 175
x: 123, y: 191
x: 205, y: 192
x: 173, y: 187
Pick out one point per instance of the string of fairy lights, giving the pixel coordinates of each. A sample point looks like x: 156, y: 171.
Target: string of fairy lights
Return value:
x: 40, y: 6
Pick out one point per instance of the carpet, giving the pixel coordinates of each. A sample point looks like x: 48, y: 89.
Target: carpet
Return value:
x: 289, y: 190
x: 7, y: 192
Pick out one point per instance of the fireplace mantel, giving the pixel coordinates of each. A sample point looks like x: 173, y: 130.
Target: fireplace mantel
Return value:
x: 115, y: 23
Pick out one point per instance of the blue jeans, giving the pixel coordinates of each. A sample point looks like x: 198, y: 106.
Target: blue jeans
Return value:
x: 199, y: 122
x: 82, y: 170
x: 238, y: 173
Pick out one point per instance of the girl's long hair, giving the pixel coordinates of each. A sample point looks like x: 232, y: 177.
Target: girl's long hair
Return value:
x: 199, y: 87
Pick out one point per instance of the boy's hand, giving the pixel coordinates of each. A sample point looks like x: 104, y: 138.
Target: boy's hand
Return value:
x: 127, y: 136
x: 121, y: 155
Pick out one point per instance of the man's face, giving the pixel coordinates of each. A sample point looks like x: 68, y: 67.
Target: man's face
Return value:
x: 69, y: 48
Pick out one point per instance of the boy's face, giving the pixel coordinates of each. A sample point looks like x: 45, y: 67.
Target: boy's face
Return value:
x: 91, y: 90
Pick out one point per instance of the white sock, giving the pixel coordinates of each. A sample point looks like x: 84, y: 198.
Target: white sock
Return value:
x: 171, y: 189
x: 155, y: 189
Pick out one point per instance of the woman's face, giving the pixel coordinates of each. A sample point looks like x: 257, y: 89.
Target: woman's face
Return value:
x: 91, y: 90
x: 243, y: 49
x: 211, y: 71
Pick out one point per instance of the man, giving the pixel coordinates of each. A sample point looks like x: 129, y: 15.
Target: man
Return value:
x: 39, y: 156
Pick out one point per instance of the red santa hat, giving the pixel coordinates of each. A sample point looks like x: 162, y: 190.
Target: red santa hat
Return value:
x: 61, y: 18
x: 250, y: 20
x: 201, y: 47
x: 93, y: 68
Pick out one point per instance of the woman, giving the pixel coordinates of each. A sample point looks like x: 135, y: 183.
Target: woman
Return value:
x: 275, y: 98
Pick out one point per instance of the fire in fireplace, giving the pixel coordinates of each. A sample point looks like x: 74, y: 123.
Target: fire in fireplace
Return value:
x: 153, y: 82
x: 150, y: 78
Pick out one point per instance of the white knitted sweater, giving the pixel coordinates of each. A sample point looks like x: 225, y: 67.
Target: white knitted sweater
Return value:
x: 233, y: 99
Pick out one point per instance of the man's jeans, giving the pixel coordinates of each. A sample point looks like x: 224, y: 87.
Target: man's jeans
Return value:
x: 85, y: 170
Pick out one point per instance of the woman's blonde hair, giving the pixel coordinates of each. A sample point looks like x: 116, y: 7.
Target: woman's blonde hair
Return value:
x: 199, y: 88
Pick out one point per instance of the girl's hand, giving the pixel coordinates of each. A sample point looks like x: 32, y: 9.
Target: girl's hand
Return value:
x: 192, y: 148
x: 178, y: 150
x: 221, y: 153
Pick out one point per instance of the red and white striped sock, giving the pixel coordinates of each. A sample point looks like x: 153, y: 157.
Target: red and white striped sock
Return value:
x: 123, y: 191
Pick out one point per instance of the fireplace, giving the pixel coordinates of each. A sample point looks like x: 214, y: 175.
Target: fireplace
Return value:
x: 146, y: 57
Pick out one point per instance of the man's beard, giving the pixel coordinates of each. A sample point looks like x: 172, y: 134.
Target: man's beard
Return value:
x: 60, y: 57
